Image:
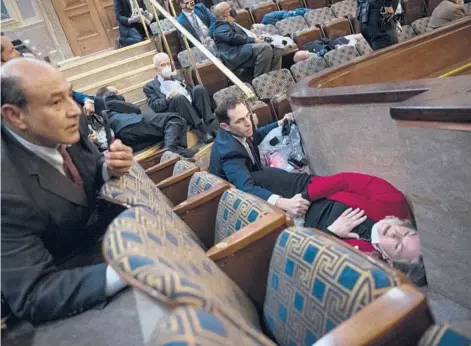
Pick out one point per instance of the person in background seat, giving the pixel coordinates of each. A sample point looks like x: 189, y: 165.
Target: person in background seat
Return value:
x: 197, y: 19
x: 51, y: 261
x: 167, y: 93
x: 239, y: 47
x: 235, y: 156
x: 446, y: 12
x: 130, y: 24
x: 139, y: 130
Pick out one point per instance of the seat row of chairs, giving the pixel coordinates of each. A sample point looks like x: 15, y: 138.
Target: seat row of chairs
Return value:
x: 224, y: 265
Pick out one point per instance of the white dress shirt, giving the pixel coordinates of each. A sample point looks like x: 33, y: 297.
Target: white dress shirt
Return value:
x: 191, y: 16
x: 248, y: 32
x: 54, y: 158
x: 168, y: 86
x: 273, y: 198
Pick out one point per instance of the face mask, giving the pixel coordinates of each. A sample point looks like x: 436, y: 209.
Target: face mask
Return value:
x: 374, y: 234
x: 233, y: 13
x: 166, y: 72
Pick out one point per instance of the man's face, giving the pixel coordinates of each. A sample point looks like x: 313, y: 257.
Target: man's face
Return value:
x: 398, y: 242
x: 240, y: 122
x: 164, y: 62
x: 51, y: 116
x: 8, y: 50
x: 187, y: 5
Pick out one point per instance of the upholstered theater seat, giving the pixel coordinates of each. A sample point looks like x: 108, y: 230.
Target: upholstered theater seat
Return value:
x: 340, y: 56
x: 318, y: 16
x: 163, y: 169
x: 405, y: 32
x: 290, y: 25
x: 308, y: 67
x: 444, y: 335
x: 150, y: 156
x: 420, y: 26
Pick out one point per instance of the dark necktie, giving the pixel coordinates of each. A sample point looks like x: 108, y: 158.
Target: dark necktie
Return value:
x: 69, y: 166
x: 255, y: 154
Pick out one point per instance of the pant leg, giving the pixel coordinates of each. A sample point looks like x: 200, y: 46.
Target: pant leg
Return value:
x: 261, y: 59
x: 185, y: 110
x: 281, y: 182
x: 140, y: 135
x: 202, y: 104
x: 129, y: 36
x: 276, y: 61
x: 172, y: 127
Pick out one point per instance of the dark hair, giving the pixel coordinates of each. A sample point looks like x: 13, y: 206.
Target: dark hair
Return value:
x: 102, y: 91
x: 12, y: 91
x: 222, y: 110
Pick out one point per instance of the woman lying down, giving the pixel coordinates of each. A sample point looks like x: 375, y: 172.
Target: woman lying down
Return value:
x: 365, y: 211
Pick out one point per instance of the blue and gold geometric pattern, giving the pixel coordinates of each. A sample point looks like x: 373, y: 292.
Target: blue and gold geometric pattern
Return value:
x: 182, y: 166
x: 236, y: 210
x: 202, y: 181
x: 196, y: 326
x: 168, y: 155
x: 314, y: 284
x: 171, y: 264
x: 443, y: 335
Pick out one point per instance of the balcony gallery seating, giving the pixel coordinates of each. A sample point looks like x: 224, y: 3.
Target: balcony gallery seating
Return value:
x: 308, y: 271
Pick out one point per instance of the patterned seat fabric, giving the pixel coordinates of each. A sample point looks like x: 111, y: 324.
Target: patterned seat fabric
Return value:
x: 420, y: 26
x: 236, y: 210
x: 202, y: 181
x: 340, y: 56
x: 288, y: 26
x: 166, y: 262
x: 362, y: 46
x: 198, y: 55
x: 273, y: 83
x: 319, y: 16
x: 251, y: 3
x: 406, y: 33
x: 168, y: 155
x: 167, y: 25
x: 443, y: 335
x: 344, y: 8
x: 182, y: 166
x: 262, y: 29
x: 190, y: 326
x: 316, y: 283
x: 308, y: 67
x: 222, y: 95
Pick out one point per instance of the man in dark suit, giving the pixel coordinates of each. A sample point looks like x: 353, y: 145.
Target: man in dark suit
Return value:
x: 50, y: 177
x: 239, y: 47
x: 139, y: 130
x: 235, y: 156
x: 197, y: 19
x: 446, y: 12
x: 130, y: 23
x: 167, y: 93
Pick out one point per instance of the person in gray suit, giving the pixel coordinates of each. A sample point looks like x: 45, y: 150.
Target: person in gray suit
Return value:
x: 446, y: 12
x: 50, y: 177
x: 168, y: 93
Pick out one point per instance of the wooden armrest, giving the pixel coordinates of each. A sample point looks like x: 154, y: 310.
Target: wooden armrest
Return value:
x: 162, y: 170
x: 199, y: 212
x: 176, y: 187
x: 151, y: 160
x: 281, y: 105
x: 398, y: 317
x: 245, y: 255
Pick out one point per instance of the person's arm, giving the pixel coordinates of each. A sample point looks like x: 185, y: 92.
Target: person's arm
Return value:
x: 81, y: 98
x: 119, y: 13
x: 456, y: 13
x: 34, y: 288
x: 261, y: 132
x: 155, y: 99
x: 224, y: 33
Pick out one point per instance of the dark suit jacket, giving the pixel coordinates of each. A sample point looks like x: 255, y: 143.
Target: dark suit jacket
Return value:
x: 230, y: 161
x: 123, y: 11
x: 446, y: 12
x: 206, y: 16
x: 157, y: 100
x: 233, y: 44
x: 44, y: 222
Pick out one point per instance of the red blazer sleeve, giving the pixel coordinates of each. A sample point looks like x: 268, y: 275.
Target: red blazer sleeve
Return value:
x: 374, y: 195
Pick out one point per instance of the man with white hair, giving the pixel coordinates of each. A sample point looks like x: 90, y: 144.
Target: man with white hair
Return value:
x: 168, y: 93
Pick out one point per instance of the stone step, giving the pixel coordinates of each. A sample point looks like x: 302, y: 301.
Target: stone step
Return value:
x: 112, y: 70
x: 95, y: 61
x: 122, y: 81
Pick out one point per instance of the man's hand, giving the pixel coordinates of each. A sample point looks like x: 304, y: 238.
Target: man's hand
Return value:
x: 296, y: 206
x: 135, y: 18
x: 343, y: 226
x: 172, y: 95
x: 286, y: 118
x: 259, y: 40
x: 389, y: 10
x: 118, y: 159
x: 89, y: 108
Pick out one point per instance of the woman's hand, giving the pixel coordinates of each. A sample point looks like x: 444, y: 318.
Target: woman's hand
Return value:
x: 343, y: 226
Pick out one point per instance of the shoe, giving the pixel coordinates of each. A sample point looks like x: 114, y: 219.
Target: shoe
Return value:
x: 207, y: 138
x: 187, y: 153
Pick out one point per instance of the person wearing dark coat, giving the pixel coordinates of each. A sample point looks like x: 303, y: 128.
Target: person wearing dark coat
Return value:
x: 131, y: 30
x: 240, y: 48
x: 168, y: 93
x: 197, y: 19
x: 141, y: 130
x: 51, y: 175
